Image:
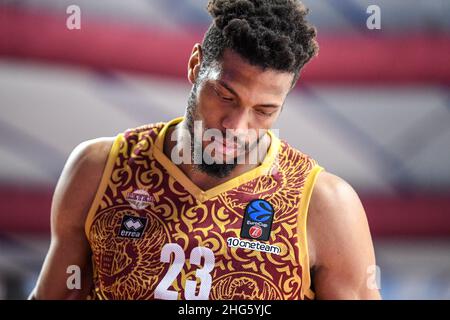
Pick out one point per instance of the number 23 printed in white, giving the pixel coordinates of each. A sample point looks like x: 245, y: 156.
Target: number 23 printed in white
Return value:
x: 162, y: 290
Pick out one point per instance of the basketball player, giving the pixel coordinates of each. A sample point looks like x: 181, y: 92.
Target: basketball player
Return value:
x: 140, y: 225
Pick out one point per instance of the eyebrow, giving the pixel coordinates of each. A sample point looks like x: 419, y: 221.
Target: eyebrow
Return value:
x: 226, y: 86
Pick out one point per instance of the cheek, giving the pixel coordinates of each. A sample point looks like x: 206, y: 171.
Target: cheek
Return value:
x: 261, y: 122
x: 270, y: 121
x: 209, y: 109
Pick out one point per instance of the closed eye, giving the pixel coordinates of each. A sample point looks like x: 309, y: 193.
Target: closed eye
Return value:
x: 266, y: 114
x: 226, y: 98
x: 221, y: 96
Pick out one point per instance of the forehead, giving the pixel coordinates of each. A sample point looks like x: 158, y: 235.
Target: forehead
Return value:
x: 237, y: 71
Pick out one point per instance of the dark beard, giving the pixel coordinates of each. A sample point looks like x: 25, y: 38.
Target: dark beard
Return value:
x: 216, y: 170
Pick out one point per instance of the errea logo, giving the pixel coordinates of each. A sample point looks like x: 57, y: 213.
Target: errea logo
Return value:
x: 132, y: 224
x: 132, y: 227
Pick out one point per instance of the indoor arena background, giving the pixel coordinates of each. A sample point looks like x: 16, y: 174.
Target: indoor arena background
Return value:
x: 374, y: 108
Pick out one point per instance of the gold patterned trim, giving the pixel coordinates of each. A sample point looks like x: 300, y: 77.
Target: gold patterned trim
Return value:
x: 204, y: 195
x: 302, y: 232
x: 113, y: 153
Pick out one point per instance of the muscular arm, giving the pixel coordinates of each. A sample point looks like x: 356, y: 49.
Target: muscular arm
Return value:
x: 72, y: 198
x: 340, y: 245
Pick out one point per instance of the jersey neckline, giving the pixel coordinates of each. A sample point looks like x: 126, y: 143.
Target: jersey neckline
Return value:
x: 191, y: 187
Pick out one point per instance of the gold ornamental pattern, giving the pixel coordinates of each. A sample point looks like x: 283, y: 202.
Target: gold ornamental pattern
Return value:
x: 132, y: 269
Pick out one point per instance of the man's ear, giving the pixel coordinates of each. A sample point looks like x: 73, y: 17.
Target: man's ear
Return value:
x: 195, y: 61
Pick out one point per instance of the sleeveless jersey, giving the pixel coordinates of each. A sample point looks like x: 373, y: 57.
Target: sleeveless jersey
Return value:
x: 155, y: 235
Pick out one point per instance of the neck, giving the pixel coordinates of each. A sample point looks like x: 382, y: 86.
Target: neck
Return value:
x: 203, y: 180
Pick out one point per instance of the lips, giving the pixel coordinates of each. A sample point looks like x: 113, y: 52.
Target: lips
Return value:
x: 225, y: 147
x: 229, y: 147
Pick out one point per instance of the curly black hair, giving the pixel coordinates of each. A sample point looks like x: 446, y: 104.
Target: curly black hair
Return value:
x: 267, y: 33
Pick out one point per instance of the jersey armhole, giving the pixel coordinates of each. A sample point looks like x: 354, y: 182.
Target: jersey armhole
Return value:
x: 302, y: 232
x: 113, y: 153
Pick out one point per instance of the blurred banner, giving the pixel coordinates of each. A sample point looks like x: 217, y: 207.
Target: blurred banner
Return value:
x: 373, y: 108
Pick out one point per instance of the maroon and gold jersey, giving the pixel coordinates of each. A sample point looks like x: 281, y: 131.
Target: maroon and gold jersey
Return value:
x: 154, y: 234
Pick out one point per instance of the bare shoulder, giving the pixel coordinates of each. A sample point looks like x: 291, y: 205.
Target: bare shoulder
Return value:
x: 332, y: 192
x: 79, y: 181
x: 92, y: 152
x: 87, y: 161
x: 339, y: 241
x: 335, y: 212
x: 74, y: 193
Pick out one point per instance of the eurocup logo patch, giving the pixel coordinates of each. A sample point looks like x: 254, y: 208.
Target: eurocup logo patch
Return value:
x: 258, y: 218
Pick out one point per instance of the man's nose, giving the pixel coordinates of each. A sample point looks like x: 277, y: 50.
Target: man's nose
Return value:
x: 236, y: 120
